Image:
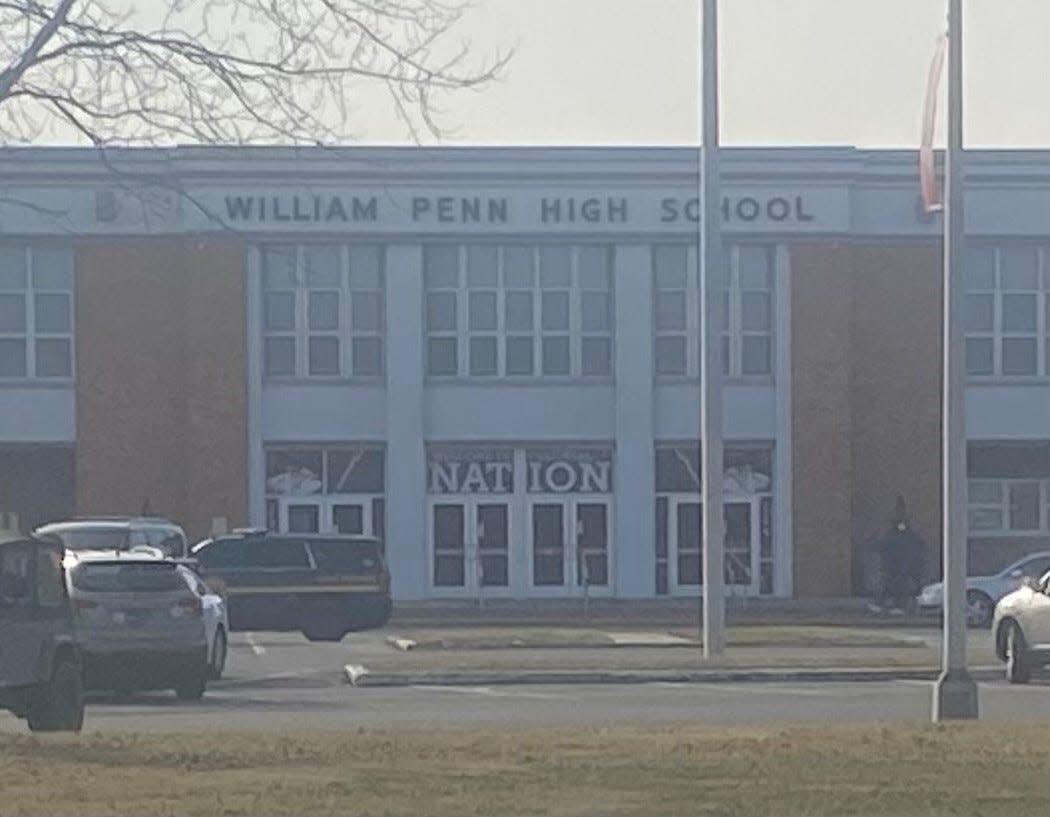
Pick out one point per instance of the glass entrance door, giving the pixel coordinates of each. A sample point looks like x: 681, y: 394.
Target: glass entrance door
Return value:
x: 742, y: 551
x: 570, y: 545
x: 470, y: 545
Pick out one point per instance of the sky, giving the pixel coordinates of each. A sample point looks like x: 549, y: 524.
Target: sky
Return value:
x: 820, y: 72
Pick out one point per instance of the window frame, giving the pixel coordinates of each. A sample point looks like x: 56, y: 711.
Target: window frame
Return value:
x: 1004, y: 507
x: 30, y: 336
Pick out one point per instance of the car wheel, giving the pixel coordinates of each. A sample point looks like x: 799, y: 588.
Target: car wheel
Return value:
x: 218, y: 656
x: 59, y: 705
x: 321, y: 632
x: 191, y: 688
x: 979, y: 609
x: 324, y: 622
x: 1018, y: 663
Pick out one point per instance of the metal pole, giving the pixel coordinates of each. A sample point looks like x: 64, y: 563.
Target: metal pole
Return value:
x: 955, y: 696
x: 711, y: 275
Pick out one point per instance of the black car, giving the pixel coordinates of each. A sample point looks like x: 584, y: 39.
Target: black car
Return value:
x: 40, y: 662
x: 324, y: 586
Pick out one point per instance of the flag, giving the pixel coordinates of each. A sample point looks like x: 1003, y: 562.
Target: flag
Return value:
x: 932, y: 200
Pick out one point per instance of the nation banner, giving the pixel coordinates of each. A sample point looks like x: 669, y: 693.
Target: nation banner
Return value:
x: 932, y: 200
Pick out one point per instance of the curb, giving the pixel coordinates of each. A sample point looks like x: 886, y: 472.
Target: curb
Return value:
x: 721, y: 676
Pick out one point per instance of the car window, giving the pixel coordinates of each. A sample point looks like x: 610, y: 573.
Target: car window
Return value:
x: 169, y: 540
x: 50, y: 578
x: 221, y: 553
x: 16, y: 589
x: 94, y: 538
x: 267, y: 553
x: 138, y: 538
x: 340, y: 556
x: 1034, y: 568
x: 116, y: 577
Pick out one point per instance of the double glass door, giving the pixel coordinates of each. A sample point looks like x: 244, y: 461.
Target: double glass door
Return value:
x: 470, y: 543
x: 569, y: 544
x: 743, y: 548
x: 333, y: 514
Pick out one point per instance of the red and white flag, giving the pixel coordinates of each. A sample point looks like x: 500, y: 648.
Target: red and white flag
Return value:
x: 932, y: 200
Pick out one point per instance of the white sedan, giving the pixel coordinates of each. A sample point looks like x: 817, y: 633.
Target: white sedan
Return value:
x: 1022, y: 629
x: 984, y: 592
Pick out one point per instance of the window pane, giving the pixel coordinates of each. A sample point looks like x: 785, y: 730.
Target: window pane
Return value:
x: 365, y: 269
x: 367, y: 356
x: 982, y: 492
x: 670, y: 311
x: 1024, y: 506
x: 441, y: 267
x: 12, y: 313
x: 278, y: 267
x: 279, y: 356
x: 757, y: 355
x: 280, y: 311
x: 980, y: 268
x: 556, y: 356
x: 519, y: 356
x: 756, y: 311
x: 324, y: 356
x: 1020, y: 267
x: 1019, y: 313
x: 12, y: 268
x: 596, y: 309
x: 355, y: 471
x: 53, y: 358
x: 518, y: 269
x: 483, y: 357
x: 555, y: 267
x: 670, y: 355
x: 1019, y: 356
x: 323, y: 265
x: 556, y: 310
x: 754, y: 267
x: 980, y: 313
x: 671, y: 263
x: 441, y: 311
x: 294, y: 471
x: 367, y: 309
x: 483, y: 311
x: 324, y: 310
x: 12, y: 358
x: 441, y: 356
x: 597, y: 356
x: 482, y: 269
x: 52, y: 268
x: 979, y: 356
x: 985, y: 519
x: 519, y: 316
x: 594, y: 268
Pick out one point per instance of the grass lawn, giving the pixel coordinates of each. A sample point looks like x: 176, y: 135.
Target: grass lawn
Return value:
x: 622, y: 770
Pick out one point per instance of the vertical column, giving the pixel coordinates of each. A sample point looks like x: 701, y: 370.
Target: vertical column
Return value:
x: 256, y: 456
x: 405, y: 455
x: 634, y: 476
x: 783, y: 577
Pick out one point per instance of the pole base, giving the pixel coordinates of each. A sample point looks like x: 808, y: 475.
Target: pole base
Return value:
x: 955, y: 697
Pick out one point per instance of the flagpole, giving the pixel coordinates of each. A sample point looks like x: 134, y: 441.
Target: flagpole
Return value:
x: 955, y: 696
x: 711, y: 274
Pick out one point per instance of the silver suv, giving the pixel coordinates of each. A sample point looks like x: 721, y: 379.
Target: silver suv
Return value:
x: 119, y: 533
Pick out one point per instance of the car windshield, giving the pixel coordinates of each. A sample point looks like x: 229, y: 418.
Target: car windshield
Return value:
x: 91, y: 538
x: 114, y: 577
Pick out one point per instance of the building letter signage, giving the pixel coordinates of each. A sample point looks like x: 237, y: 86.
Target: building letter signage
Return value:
x: 469, y: 476
x: 570, y: 475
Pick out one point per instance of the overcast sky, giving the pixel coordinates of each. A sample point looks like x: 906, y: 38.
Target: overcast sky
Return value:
x: 793, y: 72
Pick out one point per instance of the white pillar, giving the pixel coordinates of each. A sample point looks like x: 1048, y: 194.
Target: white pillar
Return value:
x: 256, y: 464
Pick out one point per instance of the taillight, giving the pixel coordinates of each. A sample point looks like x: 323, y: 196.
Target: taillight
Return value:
x: 190, y: 607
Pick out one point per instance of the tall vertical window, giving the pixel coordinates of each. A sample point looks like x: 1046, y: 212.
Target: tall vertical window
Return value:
x: 36, y: 312
x: 747, y: 311
x: 323, y: 310
x: 518, y: 311
x: 1007, y: 311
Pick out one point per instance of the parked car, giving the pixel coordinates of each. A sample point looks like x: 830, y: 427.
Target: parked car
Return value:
x: 40, y: 661
x: 324, y: 586
x: 119, y: 533
x: 145, y: 623
x: 984, y: 592
x: 1021, y: 628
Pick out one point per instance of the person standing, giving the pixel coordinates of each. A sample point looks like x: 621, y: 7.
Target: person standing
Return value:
x: 902, y: 553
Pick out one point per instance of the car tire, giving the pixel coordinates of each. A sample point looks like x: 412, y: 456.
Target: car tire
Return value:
x: 59, y: 705
x: 980, y: 609
x: 217, y: 664
x: 319, y: 632
x: 324, y: 622
x: 1018, y: 661
x: 191, y: 688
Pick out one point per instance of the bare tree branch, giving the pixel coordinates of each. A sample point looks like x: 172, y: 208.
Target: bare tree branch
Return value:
x: 14, y: 72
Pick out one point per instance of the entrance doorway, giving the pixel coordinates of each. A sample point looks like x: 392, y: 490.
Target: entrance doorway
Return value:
x: 470, y: 545
x: 569, y: 544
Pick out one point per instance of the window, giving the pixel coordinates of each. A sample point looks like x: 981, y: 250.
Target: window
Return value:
x: 323, y: 310
x: 747, y: 311
x: 1007, y: 311
x: 36, y: 312
x: 518, y: 311
x: 1006, y: 506
x: 276, y: 553
x: 221, y: 553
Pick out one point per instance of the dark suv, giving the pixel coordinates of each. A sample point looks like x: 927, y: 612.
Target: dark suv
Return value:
x: 325, y: 586
x: 40, y: 667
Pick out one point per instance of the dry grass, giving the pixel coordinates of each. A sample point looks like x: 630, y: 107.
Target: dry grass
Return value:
x: 847, y: 770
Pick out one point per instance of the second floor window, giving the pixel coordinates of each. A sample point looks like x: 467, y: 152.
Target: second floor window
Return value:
x: 323, y: 307
x: 36, y: 312
x: 518, y: 311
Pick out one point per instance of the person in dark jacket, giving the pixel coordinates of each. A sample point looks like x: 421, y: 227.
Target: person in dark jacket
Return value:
x: 903, y: 561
